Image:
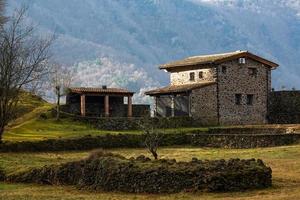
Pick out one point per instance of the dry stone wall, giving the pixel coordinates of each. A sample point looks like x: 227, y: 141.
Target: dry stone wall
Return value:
x: 109, y: 172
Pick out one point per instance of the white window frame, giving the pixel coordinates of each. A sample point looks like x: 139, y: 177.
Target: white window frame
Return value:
x: 242, y: 60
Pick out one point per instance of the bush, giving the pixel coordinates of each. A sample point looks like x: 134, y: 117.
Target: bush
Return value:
x: 89, y: 142
x: 2, y: 175
x: 109, y: 172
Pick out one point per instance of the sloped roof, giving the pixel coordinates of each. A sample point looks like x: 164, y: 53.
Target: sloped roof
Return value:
x: 216, y: 59
x: 171, y: 89
x: 101, y: 90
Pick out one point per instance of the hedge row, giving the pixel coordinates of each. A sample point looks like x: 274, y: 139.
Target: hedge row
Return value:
x: 141, y: 175
x: 89, y: 142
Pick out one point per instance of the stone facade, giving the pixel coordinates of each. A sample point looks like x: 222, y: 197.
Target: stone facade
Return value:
x: 241, y: 79
x: 204, y: 105
x: 200, y: 75
x: 232, y: 90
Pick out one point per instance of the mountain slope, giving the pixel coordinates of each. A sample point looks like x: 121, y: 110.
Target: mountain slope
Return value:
x: 146, y: 33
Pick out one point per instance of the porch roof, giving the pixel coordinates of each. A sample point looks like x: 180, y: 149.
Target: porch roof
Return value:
x: 173, y: 89
x: 102, y: 90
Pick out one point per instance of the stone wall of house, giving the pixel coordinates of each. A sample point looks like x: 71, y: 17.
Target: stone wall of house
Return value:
x: 204, y: 105
x: 183, y: 77
x: 235, y: 78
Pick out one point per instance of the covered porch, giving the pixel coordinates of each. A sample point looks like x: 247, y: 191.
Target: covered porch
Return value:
x: 100, y: 102
x: 171, y: 101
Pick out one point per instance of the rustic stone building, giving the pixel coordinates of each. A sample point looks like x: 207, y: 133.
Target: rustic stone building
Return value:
x: 227, y: 88
x: 104, y: 102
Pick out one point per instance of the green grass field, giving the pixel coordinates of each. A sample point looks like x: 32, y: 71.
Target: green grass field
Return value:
x: 38, y: 129
x: 284, y: 161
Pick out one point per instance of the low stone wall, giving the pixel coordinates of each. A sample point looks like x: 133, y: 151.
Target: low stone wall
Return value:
x: 108, y: 172
x: 284, y: 107
x: 243, y: 141
x: 135, y: 123
x: 186, y: 138
x: 247, y: 131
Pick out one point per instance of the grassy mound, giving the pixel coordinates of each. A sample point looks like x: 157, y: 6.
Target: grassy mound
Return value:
x: 28, y: 105
x: 110, y: 172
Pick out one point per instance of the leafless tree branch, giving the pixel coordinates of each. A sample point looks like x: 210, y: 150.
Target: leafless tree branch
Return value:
x: 23, y: 60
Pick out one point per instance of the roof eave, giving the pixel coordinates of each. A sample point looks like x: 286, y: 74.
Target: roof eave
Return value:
x: 269, y: 63
x: 178, y: 91
x: 163, y: 67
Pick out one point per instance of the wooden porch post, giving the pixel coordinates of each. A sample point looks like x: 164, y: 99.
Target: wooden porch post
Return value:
x: 106, y: 105
x: 82, y: 104
x: 129, y: 114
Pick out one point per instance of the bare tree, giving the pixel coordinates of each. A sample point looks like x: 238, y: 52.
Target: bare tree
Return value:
x: 61, y: 79
x: 2, y: 17
x: 23, y: 60
x: 153, y: 135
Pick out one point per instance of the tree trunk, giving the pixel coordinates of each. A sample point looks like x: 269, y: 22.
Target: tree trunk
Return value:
x: 154, y: 154
x: 58, y: 103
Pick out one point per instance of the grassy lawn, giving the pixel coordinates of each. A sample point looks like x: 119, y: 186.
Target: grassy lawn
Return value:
x: 284, y: 161
x: 38, y: 129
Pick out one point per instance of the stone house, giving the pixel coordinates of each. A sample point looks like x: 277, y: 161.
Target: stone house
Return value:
x: 219, y: 89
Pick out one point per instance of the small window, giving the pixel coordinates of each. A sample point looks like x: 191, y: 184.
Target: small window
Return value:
x: 192, y: 76
x: 224, y: 69
x: 250, y: 99
x: 252, y: 71
x: 242, y: 60
x: 238, y: 99
x: 200, y: 75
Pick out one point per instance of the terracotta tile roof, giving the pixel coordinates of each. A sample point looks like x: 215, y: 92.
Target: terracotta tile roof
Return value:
x: 171, y: 89
x: 216, y: 59
x: 101, y: 90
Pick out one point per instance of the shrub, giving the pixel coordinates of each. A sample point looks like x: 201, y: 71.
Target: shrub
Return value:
x: 89, y: 142
x: 2, y: 175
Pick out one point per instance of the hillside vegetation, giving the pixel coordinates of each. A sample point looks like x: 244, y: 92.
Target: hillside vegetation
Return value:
x: 34, y: 122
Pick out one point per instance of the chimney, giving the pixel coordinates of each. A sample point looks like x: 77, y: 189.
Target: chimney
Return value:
x: 104, y: 87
